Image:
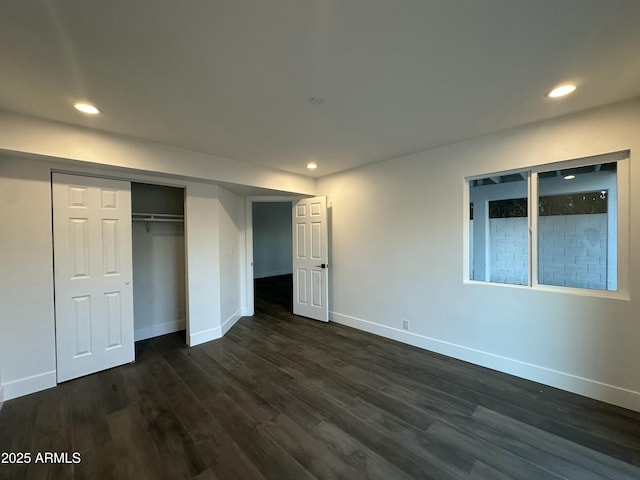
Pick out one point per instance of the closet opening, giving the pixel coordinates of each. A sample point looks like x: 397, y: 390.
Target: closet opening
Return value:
x: 159, y: 284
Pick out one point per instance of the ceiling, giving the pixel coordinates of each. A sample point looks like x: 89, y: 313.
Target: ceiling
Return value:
x: 233, y: 78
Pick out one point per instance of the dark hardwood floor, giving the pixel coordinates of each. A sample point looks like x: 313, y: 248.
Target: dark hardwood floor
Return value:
x: 282, y: 397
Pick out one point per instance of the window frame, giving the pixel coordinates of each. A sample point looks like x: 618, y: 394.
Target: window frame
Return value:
x: 622, y: 159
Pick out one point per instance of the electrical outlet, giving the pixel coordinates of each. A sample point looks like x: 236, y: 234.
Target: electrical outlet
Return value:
x: 405, y: 324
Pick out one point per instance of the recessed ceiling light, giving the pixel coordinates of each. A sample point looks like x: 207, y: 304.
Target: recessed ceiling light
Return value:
x: 569, y: 177
x: 312, y: 165
x: 561, y: 91
x: 86, y: 108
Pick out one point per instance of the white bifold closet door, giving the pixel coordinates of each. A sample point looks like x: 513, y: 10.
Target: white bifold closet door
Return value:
x: 93, y: 274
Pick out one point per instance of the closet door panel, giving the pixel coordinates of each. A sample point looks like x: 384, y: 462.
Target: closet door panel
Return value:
x: 93, y: 274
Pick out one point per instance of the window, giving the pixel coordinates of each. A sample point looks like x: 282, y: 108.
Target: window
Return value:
x: 500, y: 229
x: 577, y: 227
x: 548, y: 226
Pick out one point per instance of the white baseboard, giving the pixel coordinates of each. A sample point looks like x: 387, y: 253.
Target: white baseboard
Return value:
x: 273, y: 273
x: 231, y: 321
x: 205, y: 336
x: 565, y: 381
x: 25, y: 386
x: 215, y: 333
x: 159, y: 329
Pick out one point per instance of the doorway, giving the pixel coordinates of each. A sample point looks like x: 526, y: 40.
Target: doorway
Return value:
x: 272, y: 246
x: 274, y: 235
x: 308, y: 245
x: 272, y: 241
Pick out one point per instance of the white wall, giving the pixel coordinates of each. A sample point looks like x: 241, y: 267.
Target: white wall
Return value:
x: 33, y: 136
x: 397, y: 253
x: 31, y: 149
x: 231, y: 222
x: 214, y: 224
x: 27, y: 342
x: 272, y: 243
x: 203, y: 263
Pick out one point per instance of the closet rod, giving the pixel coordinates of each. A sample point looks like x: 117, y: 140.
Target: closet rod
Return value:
x: 174, y: 220
x: 156, y: 217
x: 179, y: 220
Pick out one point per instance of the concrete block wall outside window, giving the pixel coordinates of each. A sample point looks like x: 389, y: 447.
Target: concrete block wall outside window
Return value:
x: 576, y: 239
x: 509, y: 250
x: 573, y: 251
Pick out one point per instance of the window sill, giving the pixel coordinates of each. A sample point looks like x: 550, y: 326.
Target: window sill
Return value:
x: 608, y: 294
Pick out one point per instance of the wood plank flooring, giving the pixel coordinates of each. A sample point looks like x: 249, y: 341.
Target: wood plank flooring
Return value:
x: 282, y: 397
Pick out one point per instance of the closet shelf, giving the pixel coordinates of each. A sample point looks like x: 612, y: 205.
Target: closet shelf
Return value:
x: 156, y: 217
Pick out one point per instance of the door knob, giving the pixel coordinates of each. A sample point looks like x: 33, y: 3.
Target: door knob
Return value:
x: 322, y: 265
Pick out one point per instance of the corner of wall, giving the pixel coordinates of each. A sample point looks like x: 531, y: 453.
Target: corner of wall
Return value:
x: 204, y: 336
x: 231, y: 321
x: 202, y: 237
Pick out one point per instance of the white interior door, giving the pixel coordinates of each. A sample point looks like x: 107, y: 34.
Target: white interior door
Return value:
x: 311, y: 259
x: 93, y: 273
